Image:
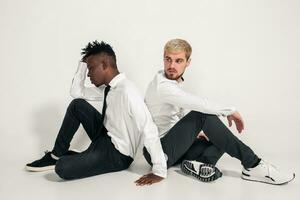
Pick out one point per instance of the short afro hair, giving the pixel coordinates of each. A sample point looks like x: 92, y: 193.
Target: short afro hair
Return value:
x: 93, y: 48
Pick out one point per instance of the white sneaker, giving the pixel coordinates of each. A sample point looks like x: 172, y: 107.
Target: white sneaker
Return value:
x: 266, y: 173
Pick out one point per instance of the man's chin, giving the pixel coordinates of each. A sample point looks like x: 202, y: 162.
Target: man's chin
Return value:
x: 172, y: 77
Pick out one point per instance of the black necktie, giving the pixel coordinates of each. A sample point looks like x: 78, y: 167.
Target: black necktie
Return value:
x: 106, y: 90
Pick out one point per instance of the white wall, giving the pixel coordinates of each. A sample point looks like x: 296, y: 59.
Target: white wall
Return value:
x: 245, y: 53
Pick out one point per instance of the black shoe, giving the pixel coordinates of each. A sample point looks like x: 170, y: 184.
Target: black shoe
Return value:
x: 45, y: 163
x: 202, y: 171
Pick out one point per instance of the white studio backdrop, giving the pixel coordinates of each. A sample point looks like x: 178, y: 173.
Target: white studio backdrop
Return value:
x: 245, y: 54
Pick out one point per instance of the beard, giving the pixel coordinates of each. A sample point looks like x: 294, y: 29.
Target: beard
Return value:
x: 173, y: 76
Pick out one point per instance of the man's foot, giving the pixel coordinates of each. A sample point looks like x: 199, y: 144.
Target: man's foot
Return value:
x: 202, y: 171
x: 267, y: 173
x: 43, y: 164
x: 47, y: 162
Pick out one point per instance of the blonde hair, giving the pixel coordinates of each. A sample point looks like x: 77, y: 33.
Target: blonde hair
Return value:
x: 177, y: 45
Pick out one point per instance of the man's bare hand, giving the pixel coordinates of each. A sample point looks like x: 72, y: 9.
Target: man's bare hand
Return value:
x: 148, y: 179
x: 202, y: 135
x: 237, y: 118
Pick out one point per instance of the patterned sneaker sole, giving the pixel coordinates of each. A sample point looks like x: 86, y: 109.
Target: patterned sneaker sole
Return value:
x: 208, y: 172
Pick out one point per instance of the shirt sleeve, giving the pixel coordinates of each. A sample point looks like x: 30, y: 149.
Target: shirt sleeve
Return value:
x: 79, y: 90
x: 151, y: 140
x: 173, y: 94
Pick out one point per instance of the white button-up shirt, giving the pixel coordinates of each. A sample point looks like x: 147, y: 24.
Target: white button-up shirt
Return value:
x: 168, y: 103
x: 127, y: 118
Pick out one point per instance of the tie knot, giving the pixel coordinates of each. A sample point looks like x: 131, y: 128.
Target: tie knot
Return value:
x: 106, y: 90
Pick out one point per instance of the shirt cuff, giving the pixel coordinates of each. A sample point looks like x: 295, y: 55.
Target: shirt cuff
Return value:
x: 228, y: 111
x: 159, y: 171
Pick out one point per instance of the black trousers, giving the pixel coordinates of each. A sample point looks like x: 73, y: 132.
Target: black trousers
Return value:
x: 181, y: 142
x: 100, y: 157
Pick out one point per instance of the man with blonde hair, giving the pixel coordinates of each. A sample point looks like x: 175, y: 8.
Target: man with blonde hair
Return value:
x: 198, y: 139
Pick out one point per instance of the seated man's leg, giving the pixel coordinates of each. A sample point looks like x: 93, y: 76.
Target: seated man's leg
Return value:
x: 203, y: 151
x: 78, y: 111
x: 184, y: 133
x: 221, y: 137
x: 224, y: 139
x: 180, y: 138
x: 101, y: 157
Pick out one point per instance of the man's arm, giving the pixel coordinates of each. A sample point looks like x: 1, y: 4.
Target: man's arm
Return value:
x: 79, y: 90
x: 171, y: 93
x: 151, y: 140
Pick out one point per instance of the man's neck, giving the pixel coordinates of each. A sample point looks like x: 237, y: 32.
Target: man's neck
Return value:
x: 179, y: 80
x: 112, y: 74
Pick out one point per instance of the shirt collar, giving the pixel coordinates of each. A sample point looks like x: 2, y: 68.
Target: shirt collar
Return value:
x: 117, y: 79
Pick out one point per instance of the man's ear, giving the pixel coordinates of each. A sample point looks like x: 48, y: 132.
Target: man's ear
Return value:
x: 188, y: 62
x: 104, y: 64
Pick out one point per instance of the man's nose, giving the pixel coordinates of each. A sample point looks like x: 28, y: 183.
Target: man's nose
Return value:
x: 172, y: 64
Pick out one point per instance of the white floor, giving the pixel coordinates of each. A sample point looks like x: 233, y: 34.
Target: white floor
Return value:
x: 19, y: 184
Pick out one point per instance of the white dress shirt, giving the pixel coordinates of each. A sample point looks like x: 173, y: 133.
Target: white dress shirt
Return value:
x: 127, y: 118
x: 168, y: 103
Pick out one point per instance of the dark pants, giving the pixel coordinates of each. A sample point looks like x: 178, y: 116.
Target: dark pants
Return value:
x: 181, y: 142
x: 100, y: 157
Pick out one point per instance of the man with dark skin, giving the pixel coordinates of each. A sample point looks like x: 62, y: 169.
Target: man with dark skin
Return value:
x: 115, y: 133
